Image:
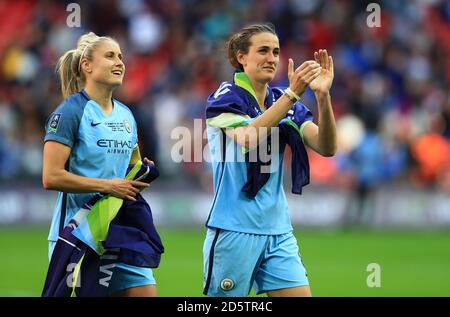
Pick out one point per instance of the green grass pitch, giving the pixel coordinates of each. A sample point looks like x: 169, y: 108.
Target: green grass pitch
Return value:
x: 412, y: 263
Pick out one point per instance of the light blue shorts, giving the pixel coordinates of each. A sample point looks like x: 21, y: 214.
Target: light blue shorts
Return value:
x: 127, y: 276
x: 124, y: 276
x: 234, y: 262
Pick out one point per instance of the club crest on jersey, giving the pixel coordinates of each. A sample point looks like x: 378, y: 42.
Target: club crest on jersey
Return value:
x: 54, y: 122
x: 227, y: 284
x: 127, y: 126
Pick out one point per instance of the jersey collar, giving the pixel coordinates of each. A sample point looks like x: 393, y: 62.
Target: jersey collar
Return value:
x: 241, y: 79
x: 86, y: 96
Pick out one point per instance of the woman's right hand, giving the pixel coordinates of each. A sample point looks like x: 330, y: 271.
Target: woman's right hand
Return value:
x: 124, y: 188
x: 303, y: 75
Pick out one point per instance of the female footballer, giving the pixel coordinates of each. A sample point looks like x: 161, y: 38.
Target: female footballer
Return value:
x: 90, y: 141
x: 249, y: 240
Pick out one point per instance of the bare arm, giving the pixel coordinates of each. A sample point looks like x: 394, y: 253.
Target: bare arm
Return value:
x: 55, y: 177
x: 322, y: 138
x: 248, y: 136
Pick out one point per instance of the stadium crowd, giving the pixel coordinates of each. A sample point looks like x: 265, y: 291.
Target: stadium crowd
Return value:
x: 390, y: 93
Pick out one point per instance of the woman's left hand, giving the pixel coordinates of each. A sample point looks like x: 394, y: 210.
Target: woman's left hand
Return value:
x: 323, y: 82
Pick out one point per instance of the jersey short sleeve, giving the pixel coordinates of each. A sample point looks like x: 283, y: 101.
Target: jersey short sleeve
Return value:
x: 62, y: 125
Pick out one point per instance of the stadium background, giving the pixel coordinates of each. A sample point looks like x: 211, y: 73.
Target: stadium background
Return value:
x: 384, y: 198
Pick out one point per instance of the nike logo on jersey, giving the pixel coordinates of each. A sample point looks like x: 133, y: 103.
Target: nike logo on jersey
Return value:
x: 95, y: 124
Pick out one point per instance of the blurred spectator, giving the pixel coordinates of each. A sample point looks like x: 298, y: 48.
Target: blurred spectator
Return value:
x: 431, y: 151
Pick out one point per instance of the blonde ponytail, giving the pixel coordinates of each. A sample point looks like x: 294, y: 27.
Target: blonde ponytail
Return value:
x: 69, y: 81
x: 69, y: 65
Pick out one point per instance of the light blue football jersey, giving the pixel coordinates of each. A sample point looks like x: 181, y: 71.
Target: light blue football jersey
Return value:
x: 232, y: 105
x: 267, y: 213
x: 101, y: 147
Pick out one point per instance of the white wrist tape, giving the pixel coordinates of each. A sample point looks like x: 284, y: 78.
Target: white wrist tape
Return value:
x: 291, y: 94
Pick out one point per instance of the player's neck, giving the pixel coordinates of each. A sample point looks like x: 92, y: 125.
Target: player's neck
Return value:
x: 102, y: 96
x: 260, y: 92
